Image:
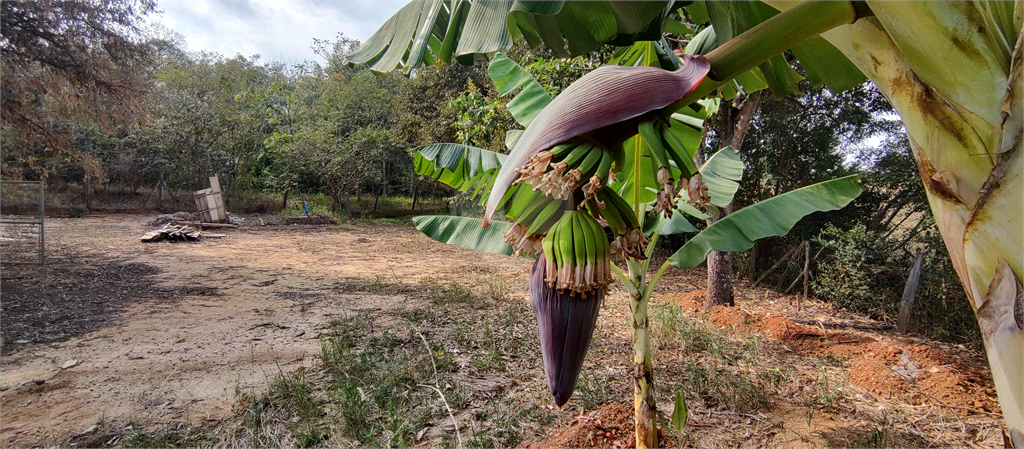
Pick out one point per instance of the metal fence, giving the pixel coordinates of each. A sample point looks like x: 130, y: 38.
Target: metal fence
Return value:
x: 22, y: 222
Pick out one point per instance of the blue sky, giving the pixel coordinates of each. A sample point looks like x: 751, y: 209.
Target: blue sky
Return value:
x: 281, y: 30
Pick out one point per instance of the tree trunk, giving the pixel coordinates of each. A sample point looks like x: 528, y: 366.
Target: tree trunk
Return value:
x: 719, y: 291
x: 377, y: 198
x: 415, y: 190
x: 732, y: 125
x: 348, y: 205
x: 160, y: 197
x: 755, y: 252
x: 284, y: 202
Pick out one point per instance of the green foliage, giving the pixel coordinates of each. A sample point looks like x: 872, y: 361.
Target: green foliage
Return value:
x: 724, y: 373
x: 865, y: 271
x: 480, y: 120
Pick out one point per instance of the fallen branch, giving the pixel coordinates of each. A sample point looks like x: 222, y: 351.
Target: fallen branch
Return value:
x: 777, y: 264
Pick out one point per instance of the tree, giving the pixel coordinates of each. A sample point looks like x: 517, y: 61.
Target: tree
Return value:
x: 71, y: 60
x: 954, y: 78
x: 731, y: 127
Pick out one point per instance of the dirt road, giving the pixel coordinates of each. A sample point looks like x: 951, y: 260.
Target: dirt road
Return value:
x: 174, y: 331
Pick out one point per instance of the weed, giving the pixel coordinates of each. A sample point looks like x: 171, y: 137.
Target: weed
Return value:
x: 495, y: 287
x: 877, y: 437
x: 668, y: 320
x: 724, y: 388
x: 494, y: 360
x: 724, y: 369
x: 450, y: 294
x: 593, y: 391
x: 172, y: 435
x: 696, y: 337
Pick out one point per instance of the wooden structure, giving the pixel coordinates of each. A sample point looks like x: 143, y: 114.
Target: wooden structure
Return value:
x: 210, y: 203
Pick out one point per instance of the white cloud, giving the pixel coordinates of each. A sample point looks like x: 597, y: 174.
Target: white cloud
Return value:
x: 276, y: 30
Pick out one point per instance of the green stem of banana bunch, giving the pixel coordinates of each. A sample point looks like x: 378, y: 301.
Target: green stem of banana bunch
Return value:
x: 649, y: 252
x: 771, y: 37
x: 624, y: 278
x: 654, y: 280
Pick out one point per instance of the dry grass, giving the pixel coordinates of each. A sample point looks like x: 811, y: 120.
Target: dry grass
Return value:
x: 474, y: 340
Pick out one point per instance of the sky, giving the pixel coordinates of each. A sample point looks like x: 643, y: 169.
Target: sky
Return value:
x: 277, y: 30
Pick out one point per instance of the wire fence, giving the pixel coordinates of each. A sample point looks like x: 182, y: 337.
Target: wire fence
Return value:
x: 22, y: 222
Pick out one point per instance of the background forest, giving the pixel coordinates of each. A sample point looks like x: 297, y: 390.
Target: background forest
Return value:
x: 116, y: 117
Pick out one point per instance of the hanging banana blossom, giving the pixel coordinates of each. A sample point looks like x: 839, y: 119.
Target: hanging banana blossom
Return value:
x: 566, y: 323
x: 568, y: 155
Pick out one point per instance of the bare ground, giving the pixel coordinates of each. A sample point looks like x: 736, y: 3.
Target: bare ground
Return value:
x: 113, y: 330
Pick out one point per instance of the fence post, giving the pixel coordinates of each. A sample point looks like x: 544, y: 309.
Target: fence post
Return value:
x: 909, y: 293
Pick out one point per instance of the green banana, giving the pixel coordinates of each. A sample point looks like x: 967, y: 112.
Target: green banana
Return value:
x: 588, y: 223
x: 578, y: 154
x: 565, y: 249
x: 601, y: 270
x: 553, y: 257
x: 619, y: 157
x: 614, y: 200
x: 547, y: 246
x: 653, y: 139
x: 611, y: 214
x: 529, y: 213
x: 678, y: 152
x: 559, y: 151
x: 604, y: 167
x: 547, y: 217
x: 579, y: 242
x: 589, y: 165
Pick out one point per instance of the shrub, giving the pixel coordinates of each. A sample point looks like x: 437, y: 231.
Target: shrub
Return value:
x: 866, y: 272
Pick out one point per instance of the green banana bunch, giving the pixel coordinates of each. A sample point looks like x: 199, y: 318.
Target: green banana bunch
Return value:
x: 622, y: 221
x: 559, y: 171
x: 533, y: 221
x: 666, y: 150
x: 577, y: 254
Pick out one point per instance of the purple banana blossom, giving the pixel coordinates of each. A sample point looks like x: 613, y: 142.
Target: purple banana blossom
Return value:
x: 566, y: 323
x: 593, y: 104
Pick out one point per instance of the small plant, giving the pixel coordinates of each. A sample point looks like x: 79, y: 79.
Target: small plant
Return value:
x: 593, y: 391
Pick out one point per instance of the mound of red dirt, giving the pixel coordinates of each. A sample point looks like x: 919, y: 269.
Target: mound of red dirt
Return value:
x: 890, y: 367
x: 609, y: 426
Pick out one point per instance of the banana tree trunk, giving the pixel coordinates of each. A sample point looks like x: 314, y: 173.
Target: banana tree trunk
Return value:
x: 645, y: 410
x: 966, y: 138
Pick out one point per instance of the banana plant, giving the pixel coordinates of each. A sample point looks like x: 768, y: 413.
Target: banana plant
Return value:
x: 566, y: 210
x: 952, y: 70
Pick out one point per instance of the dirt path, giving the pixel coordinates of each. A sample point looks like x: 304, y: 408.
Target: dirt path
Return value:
x: 193, y: 324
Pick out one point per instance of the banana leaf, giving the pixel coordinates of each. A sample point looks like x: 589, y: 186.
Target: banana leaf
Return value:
x: 721, y: 174
x: 822, y: 62
x: 509, y: 76
x: 770, y: 218
x: 460, y: 166
x: 647, y: 53
x: 466, y: 29
x: 676, y: 224
x: 465, y: 232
